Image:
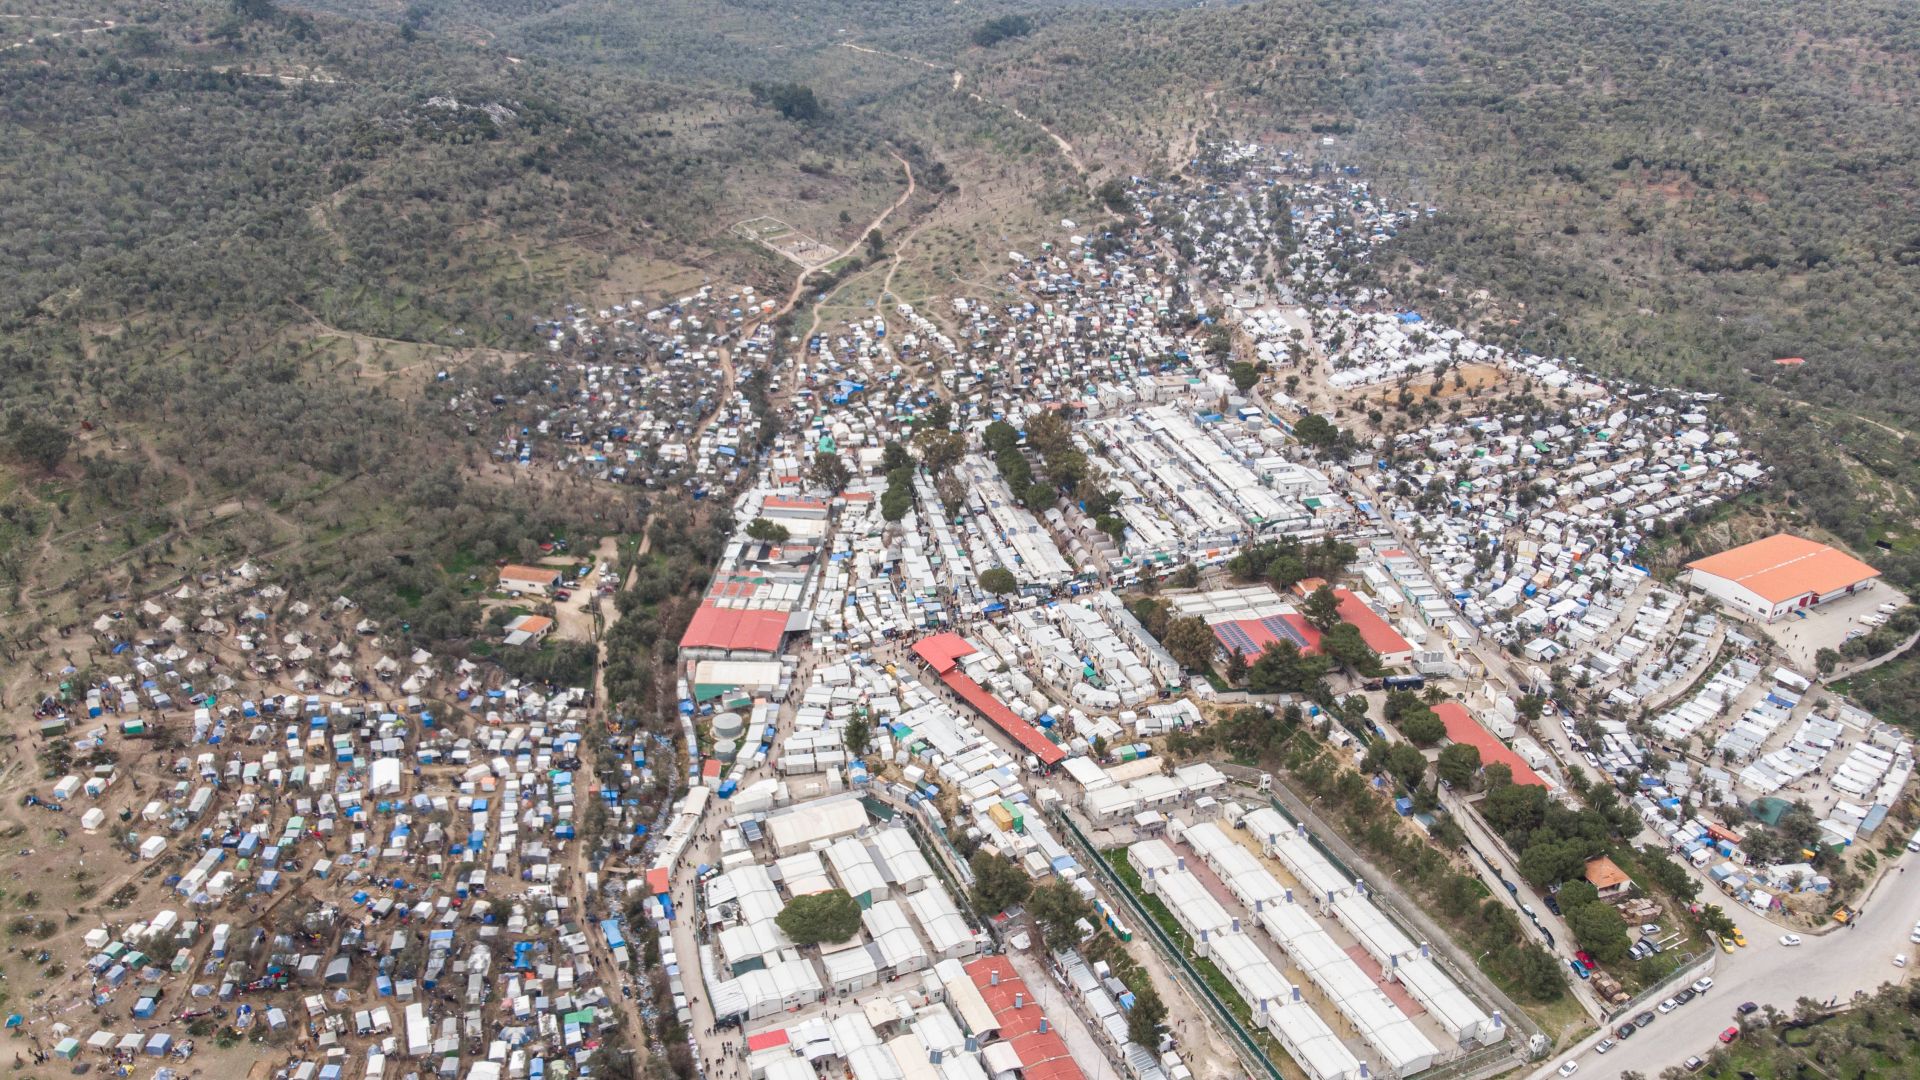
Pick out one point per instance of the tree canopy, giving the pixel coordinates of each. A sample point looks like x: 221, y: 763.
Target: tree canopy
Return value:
x: 769, y: 531
x: 998, y: 883
x: 825, y: 917
x: 998, y: 580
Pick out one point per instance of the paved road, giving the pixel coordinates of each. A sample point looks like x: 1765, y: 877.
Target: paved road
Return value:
x: 1834, y: 965
x: 1493, y: 867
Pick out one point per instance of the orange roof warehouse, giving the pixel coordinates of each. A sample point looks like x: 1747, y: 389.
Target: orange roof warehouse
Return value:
x: 1771, y: 578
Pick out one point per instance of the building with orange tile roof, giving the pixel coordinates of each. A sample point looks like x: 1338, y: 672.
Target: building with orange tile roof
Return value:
x: 536, y: 580
x: 1607, y: 878
x: 1771, y: 578
x: 528, y: 629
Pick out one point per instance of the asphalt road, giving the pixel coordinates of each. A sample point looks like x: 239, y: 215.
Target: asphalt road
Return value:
x: 1832, y: 965
x: 1494, y: 868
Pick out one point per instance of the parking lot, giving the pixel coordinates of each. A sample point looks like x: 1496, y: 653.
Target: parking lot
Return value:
x: 1829, y: 625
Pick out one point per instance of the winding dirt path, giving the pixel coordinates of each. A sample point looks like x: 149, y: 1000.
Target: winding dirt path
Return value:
x: 800, y: 283
x: 106, y: 24
x: 1060, y: 142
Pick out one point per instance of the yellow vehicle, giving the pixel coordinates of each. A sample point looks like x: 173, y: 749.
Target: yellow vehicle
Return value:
x: 1739, y: 938
x: 1726, y: 943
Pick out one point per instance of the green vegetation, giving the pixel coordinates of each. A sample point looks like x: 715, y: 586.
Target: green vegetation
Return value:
x: 998, y: 580
x: 768, y: 531
x: 857, y: 737
x: 1057, y: 907
x: 236, y: 280
x: 822, y: 917
x: 1190, y: 640
x: 829, y: 472
x: 1419, y: 723
x: 558, y: 663
x: 1457, y: 764
x: 1888, y: 690
x: 791, y: 100
x: 658, y: 601
x: 998, y: 883
x: 1400, y: 761
x: 1281, y: 668
x: 1873, y: 1039
x: 898, y: 498
x: 1319, y: 433
x: 36, y: 442
x: 994, y: 31
x: 1285, y: 561
x: 1048, y: 435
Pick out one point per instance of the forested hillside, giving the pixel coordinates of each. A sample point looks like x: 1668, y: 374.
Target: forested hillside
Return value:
x: 242, y: 238
x: 1684, y: 191
x: 245, y: 233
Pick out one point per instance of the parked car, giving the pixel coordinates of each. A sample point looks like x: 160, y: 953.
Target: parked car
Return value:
x: 1730, y: 1034
x: 1789, y: 940
x: 1603, y: 1046
x: 1739, y: 937
x: 1748, y: 1008
x: 1685, y: 995
x: 1579, y: 968
x: 1586, y: 958
x: 1553, y: 905
x: 1667, y: 1006
x: 1649, y: 928
x: 1694, y: 1064
x: 1645, y: 1019
x: 1624, y: 1031
x: 1567, y: 1068
x: 1703, y: 984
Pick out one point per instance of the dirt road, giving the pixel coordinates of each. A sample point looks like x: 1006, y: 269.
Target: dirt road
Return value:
x: 959, y: 79
x: 106, y: 24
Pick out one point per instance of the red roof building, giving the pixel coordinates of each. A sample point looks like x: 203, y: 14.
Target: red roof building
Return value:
x: 1250, y: 637
x: 1043, y: 1054
x: 734, y: 631
x: 942, y: 653
x: 1379, y: 636
x: 767, y: 1040
x: 784, y: 506
x: 1463, y: 728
